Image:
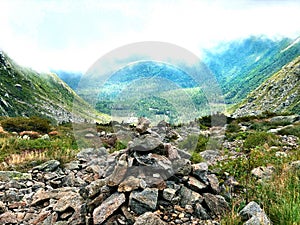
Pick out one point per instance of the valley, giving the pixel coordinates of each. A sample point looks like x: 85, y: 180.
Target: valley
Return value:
x: 190, y: 154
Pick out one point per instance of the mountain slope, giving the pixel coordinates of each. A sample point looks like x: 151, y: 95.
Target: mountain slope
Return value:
x: 24, y: 92
x: 280, y: 93
x: 241, y: 66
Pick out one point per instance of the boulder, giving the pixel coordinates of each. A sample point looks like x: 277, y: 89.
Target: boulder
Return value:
x: 48, y: 166
x: 149, y: 218
x: 143, y: 125
x: 216, y: 204
x: 146, y: 143
x: 142, y: 202
x: 108, y: 207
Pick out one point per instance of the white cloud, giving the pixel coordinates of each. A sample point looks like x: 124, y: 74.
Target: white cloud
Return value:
x: 72, y: 35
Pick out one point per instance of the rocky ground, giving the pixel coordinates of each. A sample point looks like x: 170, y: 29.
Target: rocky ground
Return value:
x: 149, y: 182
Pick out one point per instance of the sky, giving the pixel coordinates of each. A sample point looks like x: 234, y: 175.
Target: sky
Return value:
x: 71, y: 35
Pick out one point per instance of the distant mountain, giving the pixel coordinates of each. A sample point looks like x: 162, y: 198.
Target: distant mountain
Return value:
x: 241, y: 66
x: 24, y: 92
x: 70, y: 78
x: 279, y: 93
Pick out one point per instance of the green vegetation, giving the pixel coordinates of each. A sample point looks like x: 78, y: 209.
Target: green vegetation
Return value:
x: 194, y: 143
x: 20, y: 124
x: 248, y: 63
x: 24, y: 92
x: 22, y: 154
x: 259, y: 139
x: 295, y: 130
x: 279, y: 195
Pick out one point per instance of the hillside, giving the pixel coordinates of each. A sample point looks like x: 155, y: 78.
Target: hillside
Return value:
x: 24, y: 92
x: 241, y: 66
x: 280, y: 93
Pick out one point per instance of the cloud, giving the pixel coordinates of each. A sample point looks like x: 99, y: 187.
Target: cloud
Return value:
x: 71, y: 35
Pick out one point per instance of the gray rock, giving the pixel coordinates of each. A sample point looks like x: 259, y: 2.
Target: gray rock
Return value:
x: 149, y: 218
x: 146, y: 143
x: 295, y: 164
x: 108, y: 207
x: 48, y: 166
x: 189, y: 197
x: 200, y: 212
x: 2, y: 207
x: 72, y: 205
x: 172, y: 152
x: 155, y: 164
x: 289, y: 119
x: 74, y: 165
x: 143, y: 125
x: 210, y: 156
x: 263, y: 172
x: 119, y: 172
x: 216, y: 204
x: 8, y: 218
x: 259, y: 219
x: 184, y: 154
x: 251, y: 209
x: 90, y: 154
x: 141, y: 202
x: 196, y: 185
x: 182, y: 167
x: 199, y: 171
x: 129, y: 184
x: 169, y: 194
x: 214, y: 183
x: 94, y: 187
x: 89, y: 135
x: 45, y: 137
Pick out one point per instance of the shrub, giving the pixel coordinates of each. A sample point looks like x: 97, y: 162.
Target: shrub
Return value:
x: 260, y: 138
x: 196, y: 157
x: 233, y: 128
x: 19, y: 124
x: 291, y: 131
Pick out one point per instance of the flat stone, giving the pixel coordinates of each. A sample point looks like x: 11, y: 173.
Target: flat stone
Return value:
x: 48, y: 166
x: 146, y: 143
x: 196, y: 185
x: 74, y: 165
x: 149, y: 218
x: 129, y: 184
x: 108, y: 207
x: 119, y: 172
x: 214, y: 183
x: 141, y: 202
x: 184, y: 154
